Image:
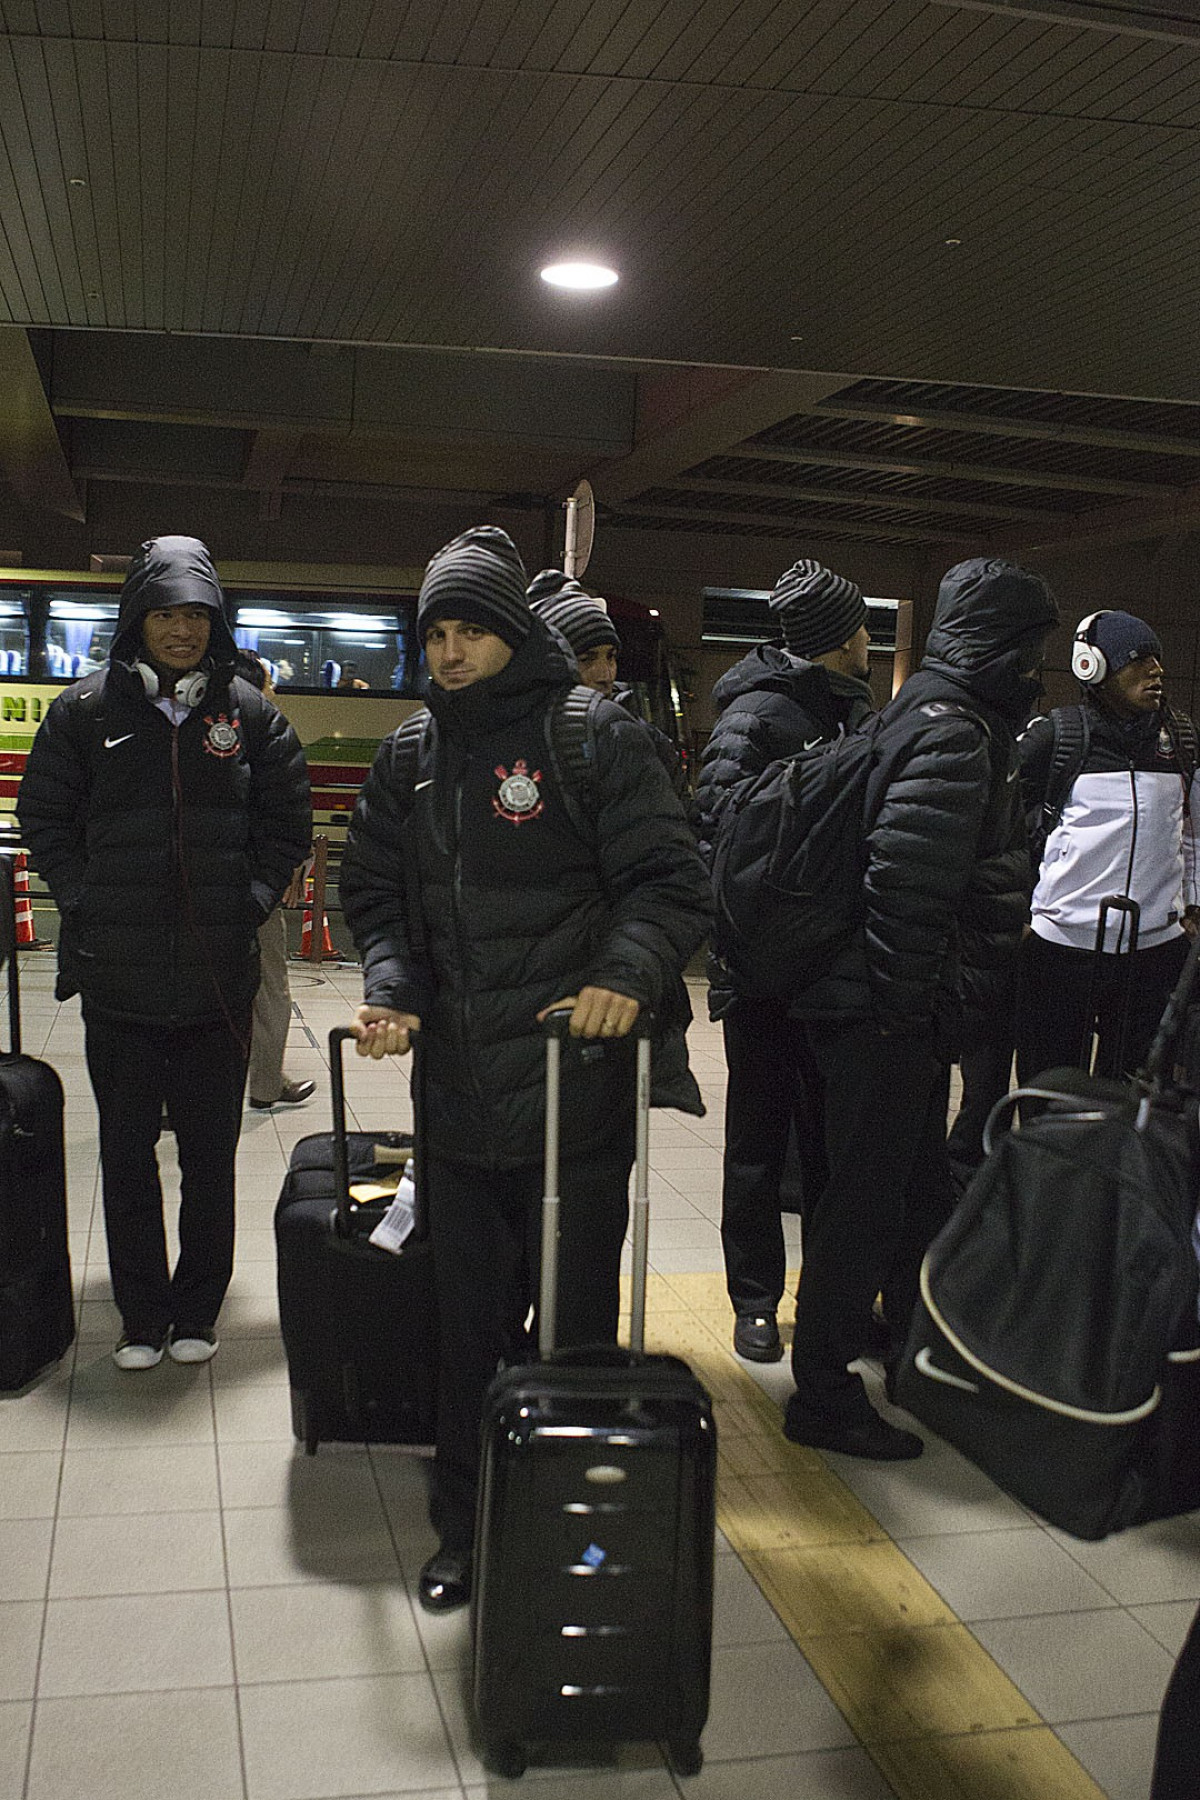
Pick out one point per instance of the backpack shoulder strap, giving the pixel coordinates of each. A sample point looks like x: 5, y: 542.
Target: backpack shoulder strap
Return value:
x: 1187, y: 746
x: 571, y: 741
x: 410, y: 740
x: 1072, y: 737
x: 408, y: 747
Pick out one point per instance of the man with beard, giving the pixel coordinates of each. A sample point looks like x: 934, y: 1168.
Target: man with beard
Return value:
x: 487, y: 881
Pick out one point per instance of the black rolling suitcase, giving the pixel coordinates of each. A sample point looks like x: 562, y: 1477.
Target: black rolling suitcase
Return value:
x: 37, y: 1312
x: 592, y: 1608
x: 1056, y: 1342
x: 359, y: 1323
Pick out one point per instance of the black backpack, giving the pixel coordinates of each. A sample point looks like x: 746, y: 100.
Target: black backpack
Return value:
x: 789, y: 855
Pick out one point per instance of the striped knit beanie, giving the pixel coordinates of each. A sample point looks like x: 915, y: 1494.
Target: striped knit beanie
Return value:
x: 561, y: 602
x: 478, y: 577
x: 817, y: 609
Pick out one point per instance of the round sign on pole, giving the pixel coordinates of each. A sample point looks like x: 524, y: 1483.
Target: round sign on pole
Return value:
x: 581, y: 529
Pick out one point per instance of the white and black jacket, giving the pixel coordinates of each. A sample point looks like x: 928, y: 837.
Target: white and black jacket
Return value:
x: 1128, y: 826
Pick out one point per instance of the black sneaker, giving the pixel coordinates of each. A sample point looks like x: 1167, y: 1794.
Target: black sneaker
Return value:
x: 192, y: 1344
x: 138, y: 1350
x: 756, y: 1337
x: 855, y: 1430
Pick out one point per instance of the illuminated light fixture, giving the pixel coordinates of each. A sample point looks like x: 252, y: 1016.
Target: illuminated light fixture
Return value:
x: 654, y: 612
x: 583, y: 277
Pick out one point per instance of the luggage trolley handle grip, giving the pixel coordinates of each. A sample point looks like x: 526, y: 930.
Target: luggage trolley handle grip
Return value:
x: 341, y: 1154
x: 556, y: 1026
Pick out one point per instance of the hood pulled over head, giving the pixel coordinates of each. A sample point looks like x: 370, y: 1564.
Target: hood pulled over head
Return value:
x: 172, y: 571
x: 985, y: 610
x: 989, y: 626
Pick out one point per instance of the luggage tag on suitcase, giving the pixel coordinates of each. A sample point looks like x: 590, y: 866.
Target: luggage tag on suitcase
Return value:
x: 398, y: 1222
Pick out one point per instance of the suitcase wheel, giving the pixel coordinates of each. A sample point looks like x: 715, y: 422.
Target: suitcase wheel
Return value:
x: 685, y: 1756
x: 503, y: 1756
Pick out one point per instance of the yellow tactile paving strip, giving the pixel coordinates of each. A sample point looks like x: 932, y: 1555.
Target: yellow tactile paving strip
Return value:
x: 940, y: 1719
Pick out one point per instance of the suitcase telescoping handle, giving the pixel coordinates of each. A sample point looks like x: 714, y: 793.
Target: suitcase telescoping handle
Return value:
x: 341, y: 1156
x: 1118, y: 903
x: 8, y: 948
x: 556, y: 1024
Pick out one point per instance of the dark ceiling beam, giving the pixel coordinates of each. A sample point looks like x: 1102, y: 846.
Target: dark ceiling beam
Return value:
x: 1033, y: 430
x: 685, y: 416
x: 795, y: 527
x: 431, y: 397
x: 1168, y: 22
x: 777, y: 490
x: 1174, y: 515
x: 31, y: 454
x: 950, y: 471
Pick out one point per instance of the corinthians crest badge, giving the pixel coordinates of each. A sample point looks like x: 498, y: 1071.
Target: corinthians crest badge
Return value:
x: 221, y: 739
x: 518, y: 798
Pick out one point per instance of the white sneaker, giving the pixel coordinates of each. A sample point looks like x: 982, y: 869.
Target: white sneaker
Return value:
x: 133, y: 1353
x: 192, y: 1347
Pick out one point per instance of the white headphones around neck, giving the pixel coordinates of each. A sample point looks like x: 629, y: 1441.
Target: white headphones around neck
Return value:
x: 190, y: 689
x: 1088, y: 663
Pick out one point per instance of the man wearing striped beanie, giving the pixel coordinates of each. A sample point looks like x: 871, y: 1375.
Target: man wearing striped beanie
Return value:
x: 774, y: 703
x: 816, y: 609
x: 584, y: 622
x: 486, y: 880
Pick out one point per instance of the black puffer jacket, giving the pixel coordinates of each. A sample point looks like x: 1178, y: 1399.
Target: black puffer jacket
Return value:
x: 947, y: 879
x: 771, y: 704
x: 518, y: 909
x: 162, y: 881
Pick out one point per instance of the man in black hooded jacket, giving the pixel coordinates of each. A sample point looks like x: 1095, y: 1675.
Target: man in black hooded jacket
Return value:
x: 946, y: 890
x: 166, y: 803
x: 485, y: 881
x: 774, y: 703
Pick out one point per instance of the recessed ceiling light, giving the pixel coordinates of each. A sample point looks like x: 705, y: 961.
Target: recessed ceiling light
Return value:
x: 952, y: 243
x: 76, y: 181
x: 581, y: 276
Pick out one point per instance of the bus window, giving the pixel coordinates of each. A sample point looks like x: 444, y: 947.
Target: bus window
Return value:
x: 79, y: 632
x: 14, y: 638
x: 367, y: 650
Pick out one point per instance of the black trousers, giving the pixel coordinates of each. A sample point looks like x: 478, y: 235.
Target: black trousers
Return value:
x: 770, y: 1113
x: 1056, y: 1005
x: 199, y: 1072
x: 986, y: 1070
x: 1177, y: 1760
x: 888, y: 1194
x: 486, y: 1229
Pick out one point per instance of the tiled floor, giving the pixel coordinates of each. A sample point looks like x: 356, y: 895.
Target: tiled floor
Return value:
x: 192, y: 1610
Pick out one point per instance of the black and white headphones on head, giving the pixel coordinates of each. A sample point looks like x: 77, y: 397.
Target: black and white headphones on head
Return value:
x: 1088, y: 663
x: 190, y: 689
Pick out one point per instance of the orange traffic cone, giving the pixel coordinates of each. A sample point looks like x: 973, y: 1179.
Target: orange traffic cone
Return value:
x: 22, y: 904
x: 306, y: 926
